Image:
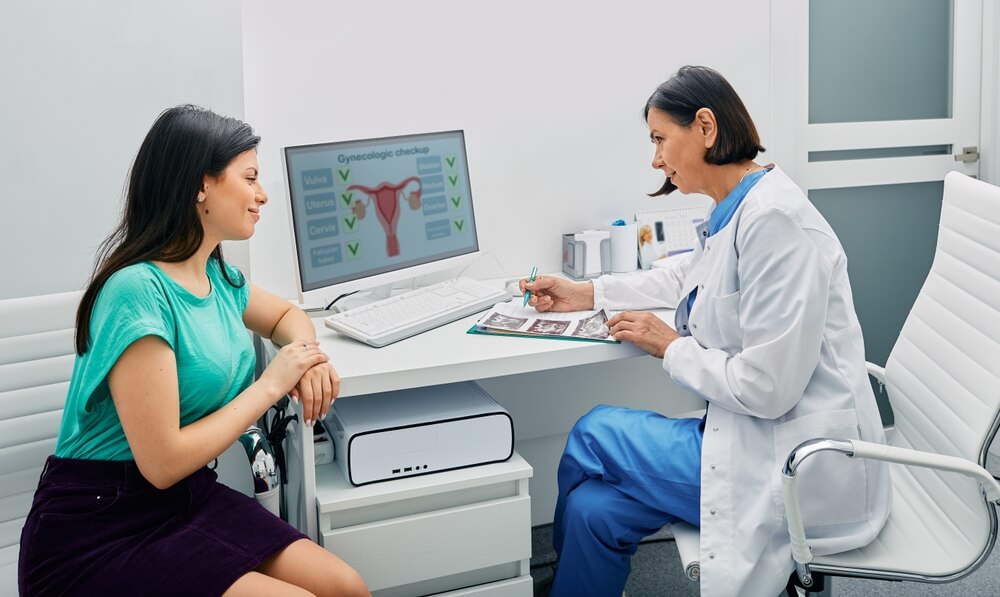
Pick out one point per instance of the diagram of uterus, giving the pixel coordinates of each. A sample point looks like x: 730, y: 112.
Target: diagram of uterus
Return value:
x: 387, y: 199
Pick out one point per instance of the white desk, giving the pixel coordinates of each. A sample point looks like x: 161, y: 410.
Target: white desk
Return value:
x: 443, y: 355
x: 447, y: 354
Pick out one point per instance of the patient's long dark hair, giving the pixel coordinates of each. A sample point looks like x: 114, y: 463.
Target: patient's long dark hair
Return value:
x: 160, y: 220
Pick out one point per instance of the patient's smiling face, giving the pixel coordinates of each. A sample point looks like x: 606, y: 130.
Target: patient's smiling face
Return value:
x: 232, y: 202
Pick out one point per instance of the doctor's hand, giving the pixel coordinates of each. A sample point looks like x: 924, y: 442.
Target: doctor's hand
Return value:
x: 645, y: 330
x: 316, y: 390
x: 549, y: 293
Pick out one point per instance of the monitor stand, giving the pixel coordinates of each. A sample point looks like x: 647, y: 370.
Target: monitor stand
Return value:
x: 364, y: 297
x: 379, y: 292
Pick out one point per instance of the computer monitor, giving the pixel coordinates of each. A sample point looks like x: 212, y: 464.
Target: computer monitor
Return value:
x: 367, y: 213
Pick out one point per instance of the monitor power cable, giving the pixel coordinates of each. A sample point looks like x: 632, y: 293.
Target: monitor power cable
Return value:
x: 345, y: 295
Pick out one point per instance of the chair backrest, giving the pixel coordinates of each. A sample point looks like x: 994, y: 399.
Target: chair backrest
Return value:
x: 943, y: 378
x: 943, y: 374
x: 36, y: 362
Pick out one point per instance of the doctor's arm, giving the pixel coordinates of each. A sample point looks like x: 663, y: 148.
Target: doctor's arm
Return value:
x: 653, y: 289
x: 657, y: 288
x: 784, y: 286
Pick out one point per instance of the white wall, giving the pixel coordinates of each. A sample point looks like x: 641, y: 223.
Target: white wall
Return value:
x: 81, y: 84
x: 550, y: 96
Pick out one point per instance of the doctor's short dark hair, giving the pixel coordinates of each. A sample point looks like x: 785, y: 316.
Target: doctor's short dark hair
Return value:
x: 692, y: 88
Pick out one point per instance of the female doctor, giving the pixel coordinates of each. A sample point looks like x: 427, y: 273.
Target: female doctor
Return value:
x: 765, y: 331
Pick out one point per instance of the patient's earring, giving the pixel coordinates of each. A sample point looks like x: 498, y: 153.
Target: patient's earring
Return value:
x: 201, y: 198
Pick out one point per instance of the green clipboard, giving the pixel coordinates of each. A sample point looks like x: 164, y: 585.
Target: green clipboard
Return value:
x: 477, y: 331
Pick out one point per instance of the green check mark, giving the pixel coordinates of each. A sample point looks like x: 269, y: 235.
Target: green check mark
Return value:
x: 459, y: 224
x: 351, y: 223
x: 344, y: 175
x: 347, y: 198
x: 456, y: 200
x: 354, y: 250
x: 450, y: 160
x: 453, y: 180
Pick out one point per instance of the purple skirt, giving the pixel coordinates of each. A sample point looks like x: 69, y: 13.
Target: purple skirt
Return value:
x: 97, y: 527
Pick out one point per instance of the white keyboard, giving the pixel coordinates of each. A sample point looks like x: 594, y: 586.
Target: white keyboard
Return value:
x: 403, y: 315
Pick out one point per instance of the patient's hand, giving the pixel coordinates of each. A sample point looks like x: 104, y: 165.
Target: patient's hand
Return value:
x: 316, y: 390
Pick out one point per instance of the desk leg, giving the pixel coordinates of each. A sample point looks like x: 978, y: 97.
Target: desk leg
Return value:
x: 300, y: 468
x: 300, y: 492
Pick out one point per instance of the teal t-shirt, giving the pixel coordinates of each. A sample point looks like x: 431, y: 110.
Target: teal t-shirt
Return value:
x: 213, y: 351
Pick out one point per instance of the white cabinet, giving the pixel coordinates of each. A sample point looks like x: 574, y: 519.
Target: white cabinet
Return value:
x: 461, y: 532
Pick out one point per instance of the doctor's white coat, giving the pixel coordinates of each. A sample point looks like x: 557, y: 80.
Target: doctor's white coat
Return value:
x: 776, y: 350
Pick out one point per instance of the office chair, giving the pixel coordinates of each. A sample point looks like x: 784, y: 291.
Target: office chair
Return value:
x: 36, y: 363
x: 942, y: 379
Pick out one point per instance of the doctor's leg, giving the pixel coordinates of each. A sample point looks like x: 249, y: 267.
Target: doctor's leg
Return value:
x: 624, y: 474
x: 603, y: 527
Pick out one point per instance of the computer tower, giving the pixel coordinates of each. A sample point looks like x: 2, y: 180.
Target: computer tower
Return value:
x: 420, y: 431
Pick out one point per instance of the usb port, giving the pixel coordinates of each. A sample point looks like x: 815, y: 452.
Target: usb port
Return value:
x: 395, y: 471
x: 407, y: 469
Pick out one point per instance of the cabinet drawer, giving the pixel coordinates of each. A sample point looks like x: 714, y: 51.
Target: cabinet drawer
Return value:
x: 521, y: 586
x: 409, y: 549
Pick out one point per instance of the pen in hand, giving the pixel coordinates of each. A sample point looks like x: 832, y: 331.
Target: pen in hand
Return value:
x: 531, y: 278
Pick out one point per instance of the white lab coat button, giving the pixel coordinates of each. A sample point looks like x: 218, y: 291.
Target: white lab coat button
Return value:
x: 711, y: 466
x: 712, y: 511
x: 711, y: 556
x: 694, y: 326
x: 715, y: 428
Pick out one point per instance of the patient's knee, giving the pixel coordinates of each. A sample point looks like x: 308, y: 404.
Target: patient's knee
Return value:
x: 348, y: 583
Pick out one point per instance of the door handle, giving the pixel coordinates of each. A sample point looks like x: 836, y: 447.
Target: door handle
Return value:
x: 968, y: 155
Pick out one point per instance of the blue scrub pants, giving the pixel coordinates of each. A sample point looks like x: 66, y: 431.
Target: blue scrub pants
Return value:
x: 624, y: 474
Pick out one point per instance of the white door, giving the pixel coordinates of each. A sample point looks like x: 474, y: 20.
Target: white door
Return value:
x: 892, y: 93
x: 877, y: 100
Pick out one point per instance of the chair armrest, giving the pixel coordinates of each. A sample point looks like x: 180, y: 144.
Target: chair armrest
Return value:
x: 877, y: 372
x: 990, y: 486
x: 862, y: 449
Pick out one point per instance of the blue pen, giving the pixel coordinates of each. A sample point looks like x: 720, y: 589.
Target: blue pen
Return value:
x: 531, y: 278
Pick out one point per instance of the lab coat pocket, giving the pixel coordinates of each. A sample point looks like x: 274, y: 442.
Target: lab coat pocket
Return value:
x: 722, y: 328
x: 831, y: 487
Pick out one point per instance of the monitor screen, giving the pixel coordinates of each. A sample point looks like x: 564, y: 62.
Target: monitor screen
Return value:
x: 368, y: 207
